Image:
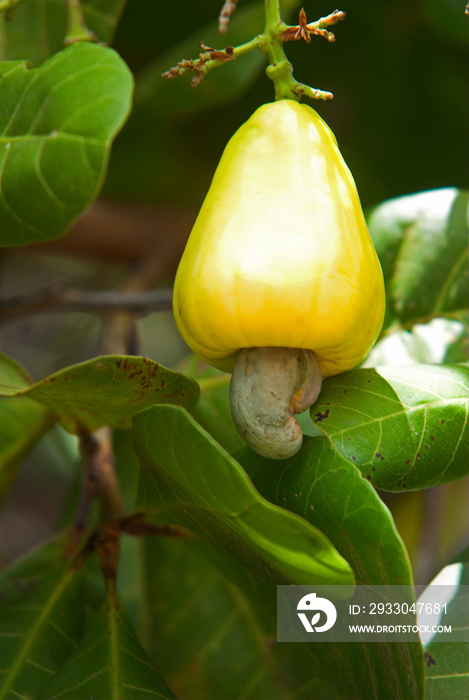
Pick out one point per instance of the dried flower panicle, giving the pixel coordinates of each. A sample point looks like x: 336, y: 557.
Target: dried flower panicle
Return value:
x: 304, y: 30
x: 198, y: 65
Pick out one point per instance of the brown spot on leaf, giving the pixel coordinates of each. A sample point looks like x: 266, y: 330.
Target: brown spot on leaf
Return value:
x: 174, y: 395
x: 321, y: 416
x: 429, y: 660
x: 154, y: 365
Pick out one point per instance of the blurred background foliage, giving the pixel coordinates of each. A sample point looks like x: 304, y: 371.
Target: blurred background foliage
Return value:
x: 398, y: 71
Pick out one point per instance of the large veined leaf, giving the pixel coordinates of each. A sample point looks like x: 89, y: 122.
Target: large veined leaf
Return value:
x: 404, y: 427
x: 43, y: 613
x: 38, y: 631
x: 330, y: 492
x: 56, y: 128
x: 187, y: 478
x: 108, y: 390
x: 211, y: 625
x: 37, y: 30
x: 108, y: 663
x: 422, y: 242
x: 447, y: 663
x: 356, y: 671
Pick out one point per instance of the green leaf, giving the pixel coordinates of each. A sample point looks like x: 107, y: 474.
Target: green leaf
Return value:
x: 422, y: 242
x: 356, y: 671
x: 108, y: 390
x: 404, y: 427
x: 13, y: 376
x: 56, y: 128
x: 212, y: 410
x: 31, y: 569
x: 212, y: 626
x: 23, y: 422
x: 108, y: 663
x: 209, y: 623
x: 187, y: 478
x: 38, y: 632
x: 330, y: 492
x: 37, y: 29
x: 15, y: 439
x: 447, y: 663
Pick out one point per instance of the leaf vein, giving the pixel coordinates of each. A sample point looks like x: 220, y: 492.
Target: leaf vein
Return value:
x: 5, y: 202
x: 40, y: 175
x: 57, y: 86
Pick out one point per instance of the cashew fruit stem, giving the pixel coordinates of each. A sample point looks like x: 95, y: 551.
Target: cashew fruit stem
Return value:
x: 268, y: 386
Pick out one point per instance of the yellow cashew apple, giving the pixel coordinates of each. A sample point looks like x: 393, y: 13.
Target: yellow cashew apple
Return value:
x: 280, y: 254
